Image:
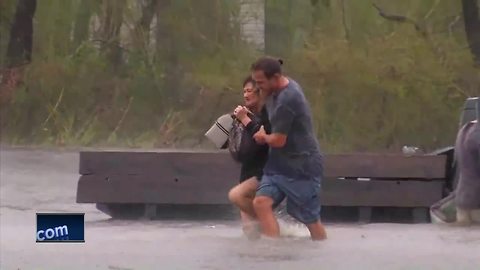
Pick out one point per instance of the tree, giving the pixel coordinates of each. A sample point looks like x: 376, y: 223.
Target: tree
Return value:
x: 472, y: 27
x: 20, y: 45
x: 278, y: 34
x: 110, y: 32
x: 19, y: 51
x: 82, y: 22
x: 142, y: 29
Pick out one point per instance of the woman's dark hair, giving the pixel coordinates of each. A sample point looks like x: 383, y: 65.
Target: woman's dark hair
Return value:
x: 269, y: 65
x: 248, y: 80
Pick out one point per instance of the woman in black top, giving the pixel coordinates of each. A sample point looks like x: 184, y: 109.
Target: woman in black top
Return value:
x: 252, y: 116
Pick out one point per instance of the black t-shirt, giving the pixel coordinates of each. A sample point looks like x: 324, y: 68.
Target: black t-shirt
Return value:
x: 253, y: 166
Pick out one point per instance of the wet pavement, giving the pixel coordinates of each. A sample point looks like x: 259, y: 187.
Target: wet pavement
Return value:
x: 34, y: 181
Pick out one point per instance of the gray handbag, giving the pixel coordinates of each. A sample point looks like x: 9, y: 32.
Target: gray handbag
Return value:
x: 220, y: 130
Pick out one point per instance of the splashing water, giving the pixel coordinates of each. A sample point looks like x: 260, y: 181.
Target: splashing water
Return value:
x: 290, y: 227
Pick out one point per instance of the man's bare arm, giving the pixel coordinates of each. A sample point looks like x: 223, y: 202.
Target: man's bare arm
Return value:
x: 276, y: 140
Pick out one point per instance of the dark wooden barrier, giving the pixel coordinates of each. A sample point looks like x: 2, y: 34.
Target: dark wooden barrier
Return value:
x: 204, y: 178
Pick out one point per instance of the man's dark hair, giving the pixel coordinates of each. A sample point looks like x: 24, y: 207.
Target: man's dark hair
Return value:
x: 269, y: 65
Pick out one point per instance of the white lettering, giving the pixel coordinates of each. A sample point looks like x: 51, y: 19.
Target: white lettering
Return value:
x: 48, y: 235
x: 60, y: 233
x: 39, y: 237
x: 63, y: 230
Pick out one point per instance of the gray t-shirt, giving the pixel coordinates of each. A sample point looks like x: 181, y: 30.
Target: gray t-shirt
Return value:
x: 290, y: 115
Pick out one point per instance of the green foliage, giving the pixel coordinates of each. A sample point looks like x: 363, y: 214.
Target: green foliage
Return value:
x: 393, y: 92
x: 373, y: 84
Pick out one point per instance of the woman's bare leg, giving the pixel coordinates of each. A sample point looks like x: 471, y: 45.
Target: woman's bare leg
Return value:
x: 242, y: 196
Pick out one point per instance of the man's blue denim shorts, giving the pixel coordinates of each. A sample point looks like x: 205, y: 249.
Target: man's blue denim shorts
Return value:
x: 303, y: 202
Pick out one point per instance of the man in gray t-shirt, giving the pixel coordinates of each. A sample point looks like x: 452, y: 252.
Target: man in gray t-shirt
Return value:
x: 294, y: 168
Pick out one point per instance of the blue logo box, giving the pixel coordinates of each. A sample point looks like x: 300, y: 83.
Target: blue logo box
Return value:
x: 60, y: 227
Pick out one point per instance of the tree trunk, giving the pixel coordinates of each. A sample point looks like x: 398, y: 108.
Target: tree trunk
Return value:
x: 112, y: 22
x: 168, y: 49
x: 82, y: 22
x: 278, y: 37
x: 19, y: 51
x: 20, y: 45
x: 472, y: 27
x: 163, y: 28
x: 142, y: 29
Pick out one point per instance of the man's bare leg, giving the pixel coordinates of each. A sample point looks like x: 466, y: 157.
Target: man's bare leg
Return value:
x: 264, y: 211
x: 317, y: 231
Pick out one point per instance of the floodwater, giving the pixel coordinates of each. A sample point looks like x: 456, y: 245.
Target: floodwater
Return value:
x: 34, y: 181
